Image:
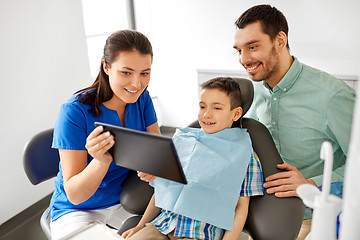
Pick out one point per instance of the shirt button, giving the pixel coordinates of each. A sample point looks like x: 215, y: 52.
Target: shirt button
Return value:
x: 274, y: 123
x: 275, y: 98
x: 277, y: 146
x: 285, y: 89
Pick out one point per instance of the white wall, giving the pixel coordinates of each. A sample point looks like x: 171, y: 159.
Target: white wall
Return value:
x: 188, y: 35
x: 43, y: 60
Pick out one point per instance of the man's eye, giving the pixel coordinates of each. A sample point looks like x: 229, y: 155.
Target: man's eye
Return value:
x: 145, y: 73
x: 252, y: 47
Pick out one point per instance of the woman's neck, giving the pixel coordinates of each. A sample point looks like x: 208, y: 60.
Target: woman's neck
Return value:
x: 119, y: 106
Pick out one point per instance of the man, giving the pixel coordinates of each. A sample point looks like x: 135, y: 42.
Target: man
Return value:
x: 301, y: 106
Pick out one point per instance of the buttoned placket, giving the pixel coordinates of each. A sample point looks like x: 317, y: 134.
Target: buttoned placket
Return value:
x: 275, y: 106
x: 275, y: 101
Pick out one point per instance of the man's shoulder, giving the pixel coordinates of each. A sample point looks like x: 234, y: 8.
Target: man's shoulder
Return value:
x: 322, y: 81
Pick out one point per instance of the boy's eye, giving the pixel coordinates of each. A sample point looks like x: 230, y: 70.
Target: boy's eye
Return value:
x: 201, y: 107
x: 218, y: 108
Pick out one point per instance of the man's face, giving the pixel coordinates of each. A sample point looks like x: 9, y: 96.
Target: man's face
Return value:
x: 257, y: 52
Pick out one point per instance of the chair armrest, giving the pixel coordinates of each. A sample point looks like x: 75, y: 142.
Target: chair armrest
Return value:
x: 135, y: 194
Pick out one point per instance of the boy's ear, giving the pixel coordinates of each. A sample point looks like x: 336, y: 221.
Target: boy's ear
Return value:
x: 237, y: 113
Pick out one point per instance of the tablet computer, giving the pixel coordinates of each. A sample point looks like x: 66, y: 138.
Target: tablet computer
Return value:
x: 145, y: 152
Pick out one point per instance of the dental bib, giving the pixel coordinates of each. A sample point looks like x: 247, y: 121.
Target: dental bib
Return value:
x: 215, y: 166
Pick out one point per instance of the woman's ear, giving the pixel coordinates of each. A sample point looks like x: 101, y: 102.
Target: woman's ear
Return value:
x: 105, y: 67
x: 237, y: 113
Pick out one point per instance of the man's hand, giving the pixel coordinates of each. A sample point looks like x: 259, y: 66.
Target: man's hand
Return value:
x: 146, y: 177
x: 284, y: 184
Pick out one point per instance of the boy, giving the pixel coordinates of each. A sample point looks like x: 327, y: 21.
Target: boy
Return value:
x: 218, y: 162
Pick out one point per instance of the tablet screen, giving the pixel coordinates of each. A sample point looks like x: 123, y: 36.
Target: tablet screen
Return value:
x: 145, y: 152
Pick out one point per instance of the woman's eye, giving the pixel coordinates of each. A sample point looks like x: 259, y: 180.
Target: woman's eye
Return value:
x: 125, y: 73
x: 145, y: 73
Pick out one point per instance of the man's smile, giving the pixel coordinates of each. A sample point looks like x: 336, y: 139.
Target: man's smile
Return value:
x: 253, y: 68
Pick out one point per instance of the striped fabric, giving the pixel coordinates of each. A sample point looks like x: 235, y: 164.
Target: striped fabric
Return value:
x: 253, y: 181
x: 167, y: 221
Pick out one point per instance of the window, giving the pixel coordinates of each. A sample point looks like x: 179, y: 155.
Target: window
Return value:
x: 101, y: 18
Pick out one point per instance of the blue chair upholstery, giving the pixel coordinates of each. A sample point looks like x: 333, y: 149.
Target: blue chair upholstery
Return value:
x: 41, y: 162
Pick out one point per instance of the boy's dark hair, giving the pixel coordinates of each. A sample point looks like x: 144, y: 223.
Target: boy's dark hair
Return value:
x: 120, y: 41
x: 228, y: 86
x: 272, y: 20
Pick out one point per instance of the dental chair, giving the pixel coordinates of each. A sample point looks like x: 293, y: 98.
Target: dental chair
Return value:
x: 41, y: 163
x: 269, y: 217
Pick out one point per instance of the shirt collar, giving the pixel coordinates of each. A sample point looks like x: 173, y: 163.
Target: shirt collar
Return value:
x: 290, y: 77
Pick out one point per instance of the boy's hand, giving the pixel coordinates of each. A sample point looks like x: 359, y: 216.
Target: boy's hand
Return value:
x: 127, y: 234
x: 146, y: 177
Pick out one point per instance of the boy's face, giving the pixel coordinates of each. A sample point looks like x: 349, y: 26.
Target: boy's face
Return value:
x: 214, y: 111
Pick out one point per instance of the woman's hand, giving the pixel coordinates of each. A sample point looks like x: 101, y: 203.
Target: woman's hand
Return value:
x: 127, y: 234
x: 82, y: 179
x: 146, y: 177
x: 98, y: 144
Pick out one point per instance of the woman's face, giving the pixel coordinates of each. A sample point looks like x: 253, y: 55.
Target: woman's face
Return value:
x: 128, y: 75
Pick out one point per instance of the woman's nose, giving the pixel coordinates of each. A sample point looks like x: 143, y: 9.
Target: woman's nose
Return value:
x: 135, y: 81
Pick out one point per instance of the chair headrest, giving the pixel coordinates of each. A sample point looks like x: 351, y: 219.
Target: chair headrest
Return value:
x: 247, y: 92
x: 40, y: 161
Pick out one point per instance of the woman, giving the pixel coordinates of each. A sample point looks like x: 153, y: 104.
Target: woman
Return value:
x: 88, y: 184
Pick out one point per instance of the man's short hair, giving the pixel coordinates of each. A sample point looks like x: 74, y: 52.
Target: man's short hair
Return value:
x: 227, y: 85
x: 272, y: 20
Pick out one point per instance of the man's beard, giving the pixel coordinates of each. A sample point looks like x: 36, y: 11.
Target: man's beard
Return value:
x: 268, y: 72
